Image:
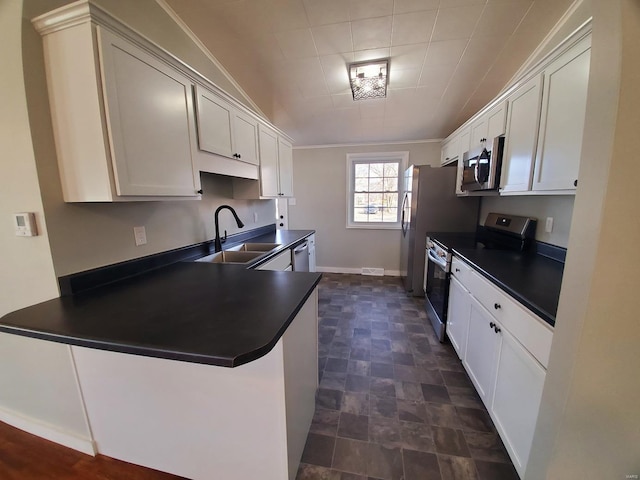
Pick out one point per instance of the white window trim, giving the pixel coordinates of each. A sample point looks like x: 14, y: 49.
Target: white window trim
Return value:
x: 352, y: 158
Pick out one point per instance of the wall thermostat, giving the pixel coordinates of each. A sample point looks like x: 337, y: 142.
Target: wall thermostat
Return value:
x: 25, y: 224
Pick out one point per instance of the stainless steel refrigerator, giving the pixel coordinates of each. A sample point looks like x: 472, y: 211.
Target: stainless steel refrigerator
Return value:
x: 430, y: 205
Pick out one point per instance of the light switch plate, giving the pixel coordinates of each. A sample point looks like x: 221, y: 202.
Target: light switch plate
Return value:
x: 548, y: 226
x: 140, y: 235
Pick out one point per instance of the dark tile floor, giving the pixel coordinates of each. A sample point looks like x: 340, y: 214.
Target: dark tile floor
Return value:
x: 393, y: 402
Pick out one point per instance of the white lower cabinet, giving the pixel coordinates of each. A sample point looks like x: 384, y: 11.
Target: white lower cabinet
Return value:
x: 516, y: 398
x: 504, y: 352
x: 458, y: 317
x: 481, y: 355
x: 281, y: 262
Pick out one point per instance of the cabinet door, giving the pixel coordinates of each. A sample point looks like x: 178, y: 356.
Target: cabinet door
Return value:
x: 214, y: 123
x: 483, y: 344
x: 450, y: 150
x: 285, y: 168
x: 562, y: 120
x: 150, y: 122
x: 496, y: 123
x: 516, y: 400
x: 521, y: 137
x: 458, y: 316
x: 268, y: 162
x: 245, y: 138
x: 478, y: 134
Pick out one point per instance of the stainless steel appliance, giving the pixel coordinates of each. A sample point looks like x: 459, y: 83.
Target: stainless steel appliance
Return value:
x: 430, y: 204
x: 437, y: 270
x: 481, y: 170
x: 301, y: 257
x: 504, y: 232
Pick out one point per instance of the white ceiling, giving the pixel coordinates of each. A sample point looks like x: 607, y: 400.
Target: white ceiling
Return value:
x: 448, y: 58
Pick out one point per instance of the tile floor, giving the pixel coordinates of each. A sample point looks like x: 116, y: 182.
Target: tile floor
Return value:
x: 393, y: 402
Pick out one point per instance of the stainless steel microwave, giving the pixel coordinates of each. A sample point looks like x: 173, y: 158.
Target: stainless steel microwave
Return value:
x: 482, y: 170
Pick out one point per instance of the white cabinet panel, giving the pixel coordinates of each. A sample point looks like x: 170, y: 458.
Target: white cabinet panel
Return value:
x: 481, y: 354
x: 450, y: 150
x: 285, y: 168
x: 562, y: 120
x: 123, y: 118
x: 276, y: 169
x: 516, y: 400
x: 245, y: 136
x: 280, y: 262
x: 268, y: 162
x: 521, y: 137
x: 150, y: 112
x: 496, y: 122
x: 458, y: 317
x: 214, y: 123
x: 224, y: 130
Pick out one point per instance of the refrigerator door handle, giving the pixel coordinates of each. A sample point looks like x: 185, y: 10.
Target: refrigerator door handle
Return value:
x: 403, y: 223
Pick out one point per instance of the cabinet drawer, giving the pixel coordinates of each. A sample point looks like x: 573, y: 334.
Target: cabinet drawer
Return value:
x: 280, y: 262
x: 460, y: 270
x: 526, y: 327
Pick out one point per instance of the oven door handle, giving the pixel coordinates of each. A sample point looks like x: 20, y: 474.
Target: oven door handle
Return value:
x: 440, y: 262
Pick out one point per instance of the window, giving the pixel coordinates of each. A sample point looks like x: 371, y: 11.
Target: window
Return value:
x: 374, y: 189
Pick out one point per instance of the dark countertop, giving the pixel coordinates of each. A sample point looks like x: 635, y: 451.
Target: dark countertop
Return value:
x: 532, y: 279
x: 216, y: 314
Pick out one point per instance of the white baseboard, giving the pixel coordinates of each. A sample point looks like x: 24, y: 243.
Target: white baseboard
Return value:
x: 354, y: 271
x: 48, y: 432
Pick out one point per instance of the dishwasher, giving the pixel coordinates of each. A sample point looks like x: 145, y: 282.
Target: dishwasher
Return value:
x: 301, y: 257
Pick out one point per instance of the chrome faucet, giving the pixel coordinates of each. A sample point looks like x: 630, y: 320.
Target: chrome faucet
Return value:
x: 218, y: 241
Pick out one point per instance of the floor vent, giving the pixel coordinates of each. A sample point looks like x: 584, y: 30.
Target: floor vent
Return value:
x: 377, y: 272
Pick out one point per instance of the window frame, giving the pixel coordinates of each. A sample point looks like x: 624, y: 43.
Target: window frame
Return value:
x: 376, y: 157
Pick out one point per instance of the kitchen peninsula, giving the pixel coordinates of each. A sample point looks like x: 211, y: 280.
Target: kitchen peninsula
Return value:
x: 152, y: 356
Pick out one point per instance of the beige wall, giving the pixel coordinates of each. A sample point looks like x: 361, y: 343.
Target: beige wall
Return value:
x: 559, y: 207
x: 589, y: 424
x: 85, y: 236
x: 29, y: 370
x: 320, y: 187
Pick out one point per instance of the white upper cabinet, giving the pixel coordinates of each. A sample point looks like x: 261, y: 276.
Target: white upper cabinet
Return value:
x: 224, y: 130
x: 245, y: 135
x: 115, y: 140
x: 542, y: 118
x: 521, y: 138
x: 285, y: 168
x: 487, y: 127
x: 276, y: 169
x: 450, y: 150
x: 151, y: 141
x: 214, y: 123
x: 562, y: 120
x: 270, y: 186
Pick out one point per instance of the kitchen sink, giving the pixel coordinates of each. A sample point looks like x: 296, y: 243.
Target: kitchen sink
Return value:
x: 230, y: 256
x: 255, y: 247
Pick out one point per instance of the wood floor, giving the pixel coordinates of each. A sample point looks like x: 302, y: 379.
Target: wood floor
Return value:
x: 26, y: 457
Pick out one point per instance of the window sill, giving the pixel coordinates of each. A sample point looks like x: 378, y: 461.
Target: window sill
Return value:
x: 372, y: 226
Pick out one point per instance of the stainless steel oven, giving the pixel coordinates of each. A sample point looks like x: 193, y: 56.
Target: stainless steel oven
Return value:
x: 436, y: 280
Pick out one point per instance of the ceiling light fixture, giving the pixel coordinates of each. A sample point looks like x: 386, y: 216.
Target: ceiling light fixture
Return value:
x: 369, y: 79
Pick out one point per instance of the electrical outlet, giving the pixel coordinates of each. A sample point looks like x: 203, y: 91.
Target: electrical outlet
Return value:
x: 140, y: 235
x: 255, y: 217
x: 548, y: 226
